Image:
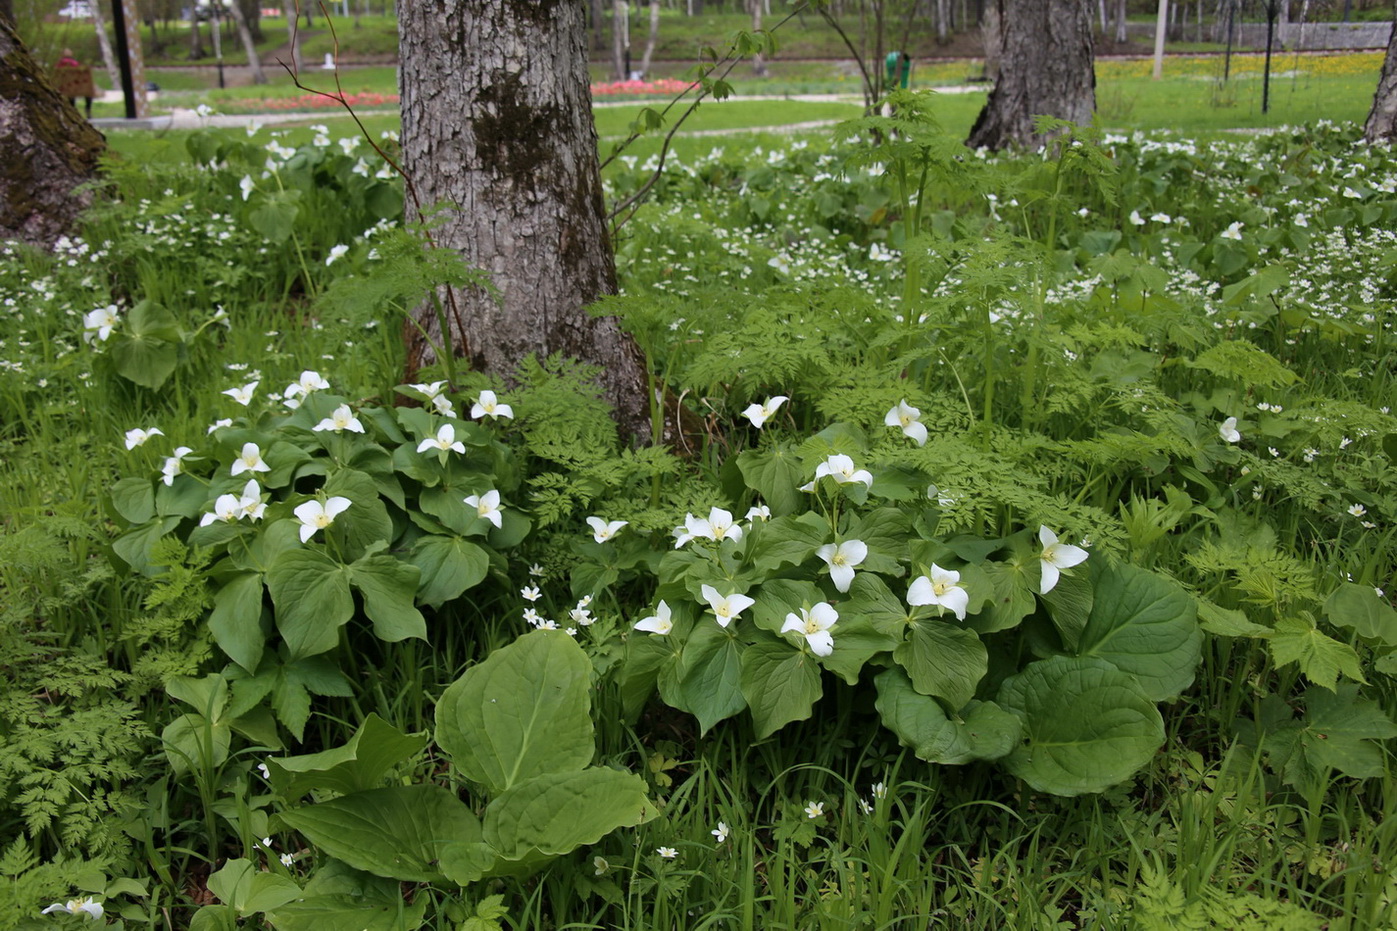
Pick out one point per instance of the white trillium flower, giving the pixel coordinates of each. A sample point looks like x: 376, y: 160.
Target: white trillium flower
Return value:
x: 138, y: 437
x: 1136, y: 219
x: 906, y: 417
x: 725, y: 607
x: 942, y: 588
x: 340, y: 420
x: 717, y: 526
x: 98, y: 324
x: 174, y: 465
x: 1162, y: 218
x: 841, y: 468
x: 247, y: 186
x: 336, y: 252
x: 88, y: 906
x: 842, y: 559
x: 814, y: 625
x: 227, y: 508
x: 244, y: 394
x: 657, y: 623
x: 1234, y: 231
x: 220, y: 424
x: 317, y: 515
x: 1228, y: 430
x: 602, y: 530
x: 759, y: 414
x: 249, y: 460
x: 250, y: 504
x: 758, y: 512
x: 445, y: 441
x: 487, y: 506
x: 1057, y: 556
x: 487, y: 405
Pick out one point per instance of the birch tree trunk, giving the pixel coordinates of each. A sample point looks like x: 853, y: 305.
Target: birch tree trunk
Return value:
x: 621, y: 38
x: 759, y: 68
x: 992, y: 34
x: 497, y: 123
x: 1045, y: 68
x: 1122, y: 33
x: 254, y: 62
x: 1381, y: 125
x: 104, y: 44
x: 46, y: 149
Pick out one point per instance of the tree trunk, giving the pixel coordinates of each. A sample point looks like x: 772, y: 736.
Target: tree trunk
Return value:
x: 943, y: 21
x: 652, y: 38
x: 46, y: 149
x: 992, y: 34
x: 759, y: 68
x: 621, y: 39
x: 1382, y: 119
x: 196, y: 42
x: 497, y: 122
x: 1122, y: 33
x: 1045, y: 68
x: 254, y: 62
x: 104, y: 45
x: 252, y: 12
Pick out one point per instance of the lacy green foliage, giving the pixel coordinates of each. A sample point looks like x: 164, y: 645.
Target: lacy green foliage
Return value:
x: 1160, y: 905
x: 70, y: 738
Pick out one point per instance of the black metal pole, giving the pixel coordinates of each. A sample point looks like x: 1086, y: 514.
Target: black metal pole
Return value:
x: 123, y: 58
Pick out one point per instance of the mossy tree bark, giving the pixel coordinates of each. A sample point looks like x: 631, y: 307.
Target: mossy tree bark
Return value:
x: 1382, y: 118
x: 1045, y: 69
x: 46, y: 149
x: 497, y: 125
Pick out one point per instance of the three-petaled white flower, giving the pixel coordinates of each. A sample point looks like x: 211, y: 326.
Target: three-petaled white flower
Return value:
x: 296, y: 392
x: 98, y: 324
x: 842, y: 559
x: 439, y: 401
x: 227, y: 508
x: 317, y: 515
x: 249, y: 460
x: 487, y: 506
x: 720, y: 833
x: 1056, y: 556
x: 840, y: 468
x: 247, y: 186
x: 1234, y: 231
x: 717, y: 526
x: 174, y: 465
x: 603, y: 530
x: 1228, y: 430
x: 138, y: 437
x: 336, y: 252
x: 88, y: 906
x: 242, y: 395
x: 941, y: 587
x: 657, y: 623
x: 758, y: 512
x: 340, y: 419
x: 250, y: 503
x: 487, y: 405
x: 445, y: 441
x: 759, y: 414
x: 725, y: 607
x: 905, y: 417
x: 814, y: 625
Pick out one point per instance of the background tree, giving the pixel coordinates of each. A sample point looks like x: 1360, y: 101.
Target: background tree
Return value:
x: 1045, y: 68
x: 46, y: 149
x: 497, y: 124
x: 1381, y: 125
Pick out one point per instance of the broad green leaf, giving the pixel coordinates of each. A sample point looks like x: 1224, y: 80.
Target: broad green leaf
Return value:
x: 707, y: 681
x: 885, y: 531
x: 1359, y: 608
x: 389, y: 587
x: 1340, y: 731
x: 778, y: 598
x: 1069, y: 605
x: 236, y: 620
x: 780, y: 684
x: 147, y: 350
x: 366, y: 521
x: 775, y: 474
x: 1012, y: 602
x: 514, y: 528
x: 1144, y: 625
x: 856, y: 641
x: 522, y: 712
x: 184, y: 497
x: 207, y: 695
x: 312, y: 598
x: 249, y: 890
x: 449, y: 566
x: 1320, y: 657
x: 785, y: 541
x: 341, y: 911
x: 983, y: 732
x: 397, y: 832
x: 375, y: 748
x: 134, y: 499
x: 274, y: 220
x: 134, y: 546
x: 192, y: 742
x: 872, y: 601
x: 558, y: 812
x: 1086, y: 726
x: 1227, y: 622
x: 943, y: 660
x: 214, y: 918
x: 464, y: 863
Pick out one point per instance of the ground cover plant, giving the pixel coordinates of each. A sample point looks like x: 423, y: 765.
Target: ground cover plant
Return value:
x: 1026, y: 565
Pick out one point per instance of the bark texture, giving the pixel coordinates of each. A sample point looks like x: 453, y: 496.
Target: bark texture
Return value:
x: 1381, y: 125
x: 1045, y: 68
x: 46, y: 150
x: 497, y: 124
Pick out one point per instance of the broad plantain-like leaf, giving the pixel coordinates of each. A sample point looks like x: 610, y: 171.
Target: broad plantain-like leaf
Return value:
x: 147, y: 352
x: 449, y: 566
x: 785, y: 541
x: 522, y: 712
x: 556, y: 813
x: 1359, y: 608
x: 236, y: 621
x: 780, y: 597
x: 1012, y: 602
x: 312, y: 598
x: 1144, y: 625
x: 248, y: 890
x: 134, y: 499
x: 193, y: 742
x: 396, y: 832
x: 366, y: 522
x: 775, y: 474
x: 389, y: 587
x: 375, y: 748
x: 1320, y: 657
x: 343, y: 912
x: 984, y: 731
x: 1086, y: 725
x: 943, y: 660
x: 707, y: 681
x: 781, y: 684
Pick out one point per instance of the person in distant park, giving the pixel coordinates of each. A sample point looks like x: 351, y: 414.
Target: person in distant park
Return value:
x: 74, y: 80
